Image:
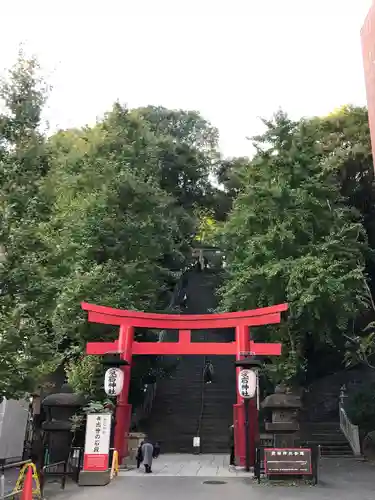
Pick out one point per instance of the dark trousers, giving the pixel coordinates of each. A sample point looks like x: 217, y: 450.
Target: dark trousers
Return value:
x: 148, y: 469
x: 231, y: 458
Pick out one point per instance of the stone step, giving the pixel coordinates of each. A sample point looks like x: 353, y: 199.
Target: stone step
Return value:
x: 333, y: 439
x: 177, y: 409
x: 319, y: 425
x: 331, y: 446
x: 327, y: 432
x: 328, y: 452
x: 331, y: 449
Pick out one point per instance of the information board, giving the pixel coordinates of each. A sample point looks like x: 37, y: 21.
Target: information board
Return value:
x: 287, y: 461
x: 98, y: 432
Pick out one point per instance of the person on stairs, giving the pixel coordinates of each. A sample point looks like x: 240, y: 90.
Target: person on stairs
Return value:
x: 147, y: 454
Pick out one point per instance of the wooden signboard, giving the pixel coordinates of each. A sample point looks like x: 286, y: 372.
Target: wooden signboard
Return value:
x: 288, y: 461
x: 98, y: 431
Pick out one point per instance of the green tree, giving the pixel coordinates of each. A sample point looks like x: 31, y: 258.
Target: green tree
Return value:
x: 230, y: 176
x: 344, y: 137
x: 115, y: 232
x: 291, y: 238
x: 104, y: 214
x: 183, y: 144
x: 25, y: 332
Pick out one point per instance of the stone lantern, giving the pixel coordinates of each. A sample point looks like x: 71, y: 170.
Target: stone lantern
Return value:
x: 284, y: 425
x: 59, y: 408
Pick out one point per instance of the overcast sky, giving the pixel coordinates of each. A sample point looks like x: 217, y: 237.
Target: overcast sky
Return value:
x: 232, y: 60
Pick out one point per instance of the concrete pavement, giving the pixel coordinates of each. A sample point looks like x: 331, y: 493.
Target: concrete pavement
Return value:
x: 11, y: 476
x: 345, y: 479
x: 190, y: 466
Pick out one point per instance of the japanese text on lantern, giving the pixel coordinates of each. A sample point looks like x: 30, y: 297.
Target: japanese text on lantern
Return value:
x: 112, y: 381
x: 245, y: 385
x: 247, y: 382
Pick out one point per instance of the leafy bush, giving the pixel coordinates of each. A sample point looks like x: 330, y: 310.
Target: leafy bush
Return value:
x: 361, y: 408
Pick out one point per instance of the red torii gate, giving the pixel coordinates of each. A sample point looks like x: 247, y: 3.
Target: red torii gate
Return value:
x: 126, y: 346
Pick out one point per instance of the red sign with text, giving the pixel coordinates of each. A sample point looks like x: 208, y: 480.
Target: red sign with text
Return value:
x: 95, y: 462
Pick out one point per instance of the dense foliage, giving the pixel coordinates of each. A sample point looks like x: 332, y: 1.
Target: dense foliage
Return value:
x: 103, y: 214
x: 26, y: 338
x: 107, y: 214
x: 361, y: 408
x: 295, y: 235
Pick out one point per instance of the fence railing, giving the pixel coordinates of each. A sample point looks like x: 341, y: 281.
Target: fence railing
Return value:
x: 56, y: 469
x: 63, y: 469
x: 350, y: 431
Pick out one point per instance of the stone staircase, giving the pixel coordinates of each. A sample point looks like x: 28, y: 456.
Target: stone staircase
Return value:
x: 217, y: 414
x: 185, y: 406
x: 328, y: 435
x: 174, y: 416
x: 320, y: 420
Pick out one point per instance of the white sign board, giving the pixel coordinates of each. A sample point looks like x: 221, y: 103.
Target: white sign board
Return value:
x: 13, y: 421
x: 98, y: 433
x: 113, y: 381
x: 247, y: 383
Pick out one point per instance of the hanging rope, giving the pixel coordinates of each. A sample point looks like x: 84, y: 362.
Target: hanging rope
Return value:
x: 207, y: 378
x: 200, y: 417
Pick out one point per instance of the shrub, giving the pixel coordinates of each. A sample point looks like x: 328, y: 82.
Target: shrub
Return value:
x: 361, y: 408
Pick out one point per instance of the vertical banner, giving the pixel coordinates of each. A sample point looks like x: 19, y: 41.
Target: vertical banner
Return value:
x: 98, y: 432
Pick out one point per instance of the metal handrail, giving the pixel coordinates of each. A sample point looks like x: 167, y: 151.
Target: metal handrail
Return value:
x: 350, y: 431
x: 10, y: 495
x: 44, y: 472
x: 53, y: 465
x: 14, y: 464
x: 146, y: 407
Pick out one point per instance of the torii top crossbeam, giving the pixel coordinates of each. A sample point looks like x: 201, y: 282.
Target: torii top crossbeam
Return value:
x: 184, y: 324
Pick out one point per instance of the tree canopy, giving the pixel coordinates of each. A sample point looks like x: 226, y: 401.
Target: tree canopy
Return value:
x: 295, y: 236
x: 108, y: 213
x: 103, y: 213
x: 25, y: 333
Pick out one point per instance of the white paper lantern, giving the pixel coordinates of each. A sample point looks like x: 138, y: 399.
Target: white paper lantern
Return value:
x: 247, y: 383
x: 113, y: 381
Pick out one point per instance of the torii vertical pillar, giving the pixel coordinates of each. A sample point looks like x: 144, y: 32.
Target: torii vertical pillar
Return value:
x: 243, y: 346
x: 123, y: 408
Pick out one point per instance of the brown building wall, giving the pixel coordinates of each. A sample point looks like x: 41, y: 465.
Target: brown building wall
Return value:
x: 368, y: 54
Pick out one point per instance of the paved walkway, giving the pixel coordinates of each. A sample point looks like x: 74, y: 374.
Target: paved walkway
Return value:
x: 10, y: 479
x: 345, y: 479
x: 190, y: 466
